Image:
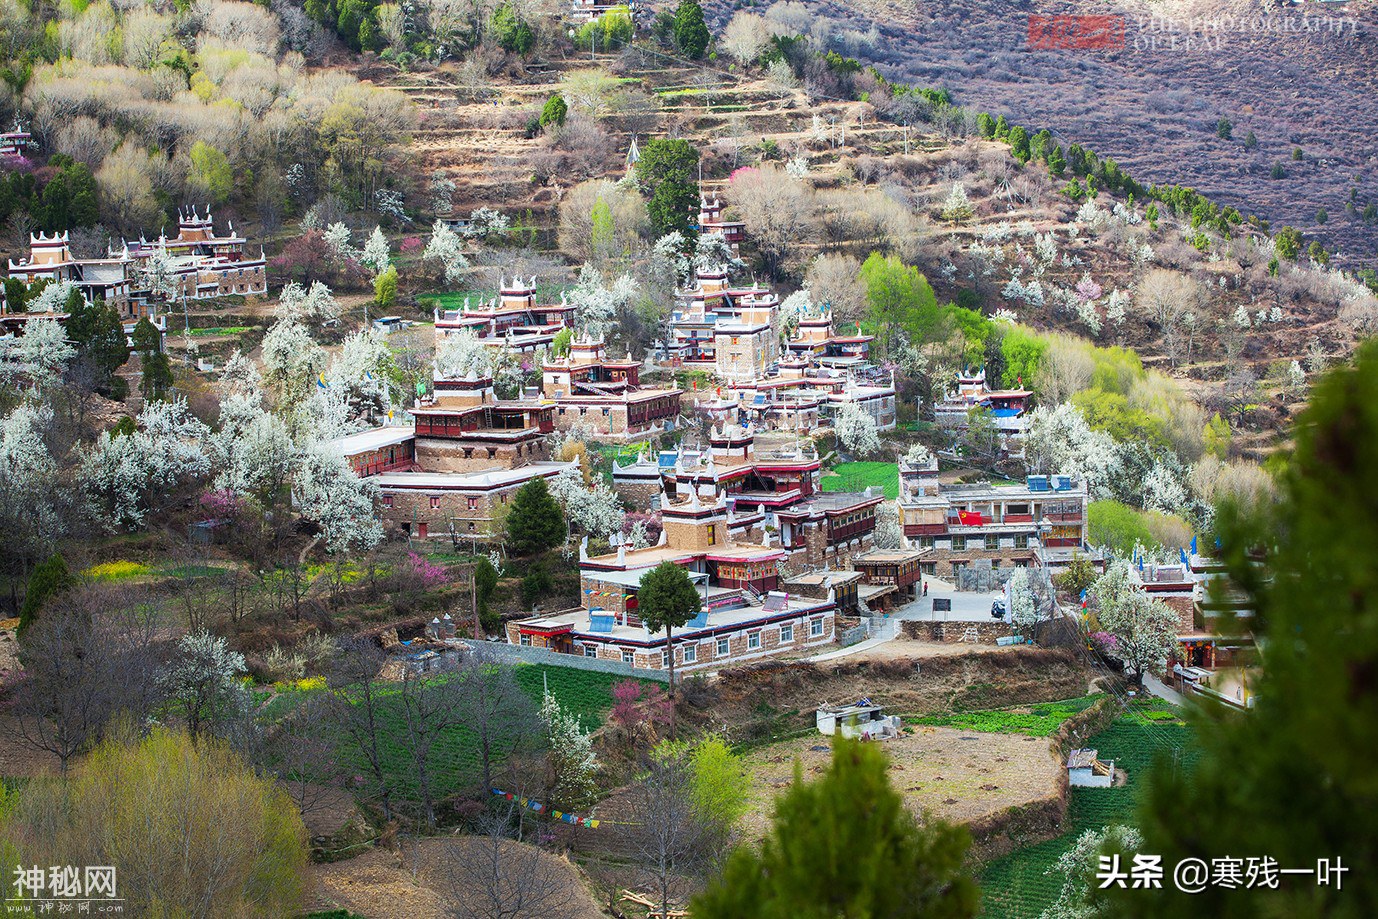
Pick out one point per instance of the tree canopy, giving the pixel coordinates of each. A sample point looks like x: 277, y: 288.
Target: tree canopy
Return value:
x: 668, y: 175
x: 1258, y: 787
x: 844, y: 845
x: 535, y: 522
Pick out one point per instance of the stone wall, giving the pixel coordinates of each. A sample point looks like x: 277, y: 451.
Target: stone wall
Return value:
x: 954, y: 630
x: 435, y: 454
x: 412, y: 507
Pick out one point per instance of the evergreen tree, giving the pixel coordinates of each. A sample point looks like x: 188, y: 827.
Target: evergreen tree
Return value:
x: 1019, y: 144
x: 691, y: 32
x: 844, y: 845
x: 97, y: 332
x: 1223, y: 128
x: 985, y: 125
x: 1002, y: 128
x: 1258, y: 787
x: 48, y: 579
x: 666, y: 600
x: 668, y: 175
x: 511, y: 31
x: 535, y: 522
x: 157, y: 377
x: 1057, y: 163
x: 555, y: 111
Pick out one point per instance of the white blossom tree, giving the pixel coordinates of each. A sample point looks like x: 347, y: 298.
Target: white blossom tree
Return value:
x: 203, y: 679
x: 667, y: 255
x: 597, y: 302
x: 29, y: 487
x: 460, y: 354
x: 303, y: 304
x: 445, y: 249
x: 375, y: 255
x: 363, y: 369
x: 713, y: 251
x: 595, y: 509
x: 44, y: 352
x: 919, y: 457
x: 1058, y: 440
x: 1077, y: 867
x: 856, y: 429
x: 52, y: 298
x: 125, y: 476
x: 330, y: 495
x: 292, y: 361
x: 888, y: 533
x: 1143, y: 631
x: 573, y: 766
x: 1026, y: 612
x: 253, y: 451
x: 340, y: 243
x: 159, y: 275
x: 240, y: 375
x: 957, y: 206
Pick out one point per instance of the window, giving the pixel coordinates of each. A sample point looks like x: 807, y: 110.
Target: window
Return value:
x: 387, y: 500
x: 992, y: 543
x: 665, y: 658
x: 526, y: 640
x: 959, y: 543
x: 753, y: 640
x: 691, y: 654
x: 628, y: 657
x: 590, y: 651
x: 724, y: 647
x: 1021, y: 541
x: 786, y: 633
x: 925, y: 542
x: 473, y: 503
x: 712, y: 534
x: 816, y: 627
x: 435, y: 501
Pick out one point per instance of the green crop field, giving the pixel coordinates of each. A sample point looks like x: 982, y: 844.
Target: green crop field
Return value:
x: 1018, y: 885
x: 454, y: 299
x: 587, y: 694
x: 1036, y: 720
x: 858, y: 476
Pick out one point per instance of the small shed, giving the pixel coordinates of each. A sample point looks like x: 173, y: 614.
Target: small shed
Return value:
x: 1086, y: 770
x: 862, y: 720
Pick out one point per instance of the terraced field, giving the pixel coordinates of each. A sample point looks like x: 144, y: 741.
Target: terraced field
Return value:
x: 1019, y: 886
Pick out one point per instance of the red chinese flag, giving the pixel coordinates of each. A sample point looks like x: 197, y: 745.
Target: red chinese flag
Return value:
x: 970, y: 518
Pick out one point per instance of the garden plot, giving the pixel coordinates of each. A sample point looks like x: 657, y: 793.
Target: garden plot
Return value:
x: 955, y: 774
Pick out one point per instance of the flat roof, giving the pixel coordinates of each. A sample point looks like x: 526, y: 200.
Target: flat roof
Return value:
x: 885, y: 556
x: 717, y: 620
x: 497, y: 477
x: 818, y: 577
x: 373, y: 439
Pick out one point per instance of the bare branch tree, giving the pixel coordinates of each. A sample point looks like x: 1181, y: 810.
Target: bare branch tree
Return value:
x: 492, y: 876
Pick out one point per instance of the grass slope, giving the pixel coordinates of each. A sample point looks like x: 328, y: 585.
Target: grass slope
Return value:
x: 858, y: 476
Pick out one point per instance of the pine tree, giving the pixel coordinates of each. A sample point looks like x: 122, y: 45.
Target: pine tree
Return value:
x: 667, y: 173
x: 535, y: 522
x: 691, y: 32
x: 844, y: 845
x: 49, y: 579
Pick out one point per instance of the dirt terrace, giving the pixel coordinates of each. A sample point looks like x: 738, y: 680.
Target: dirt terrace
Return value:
x: 960, y: 776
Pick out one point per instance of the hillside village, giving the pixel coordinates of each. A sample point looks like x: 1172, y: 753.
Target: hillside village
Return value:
x: 527, y: 460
